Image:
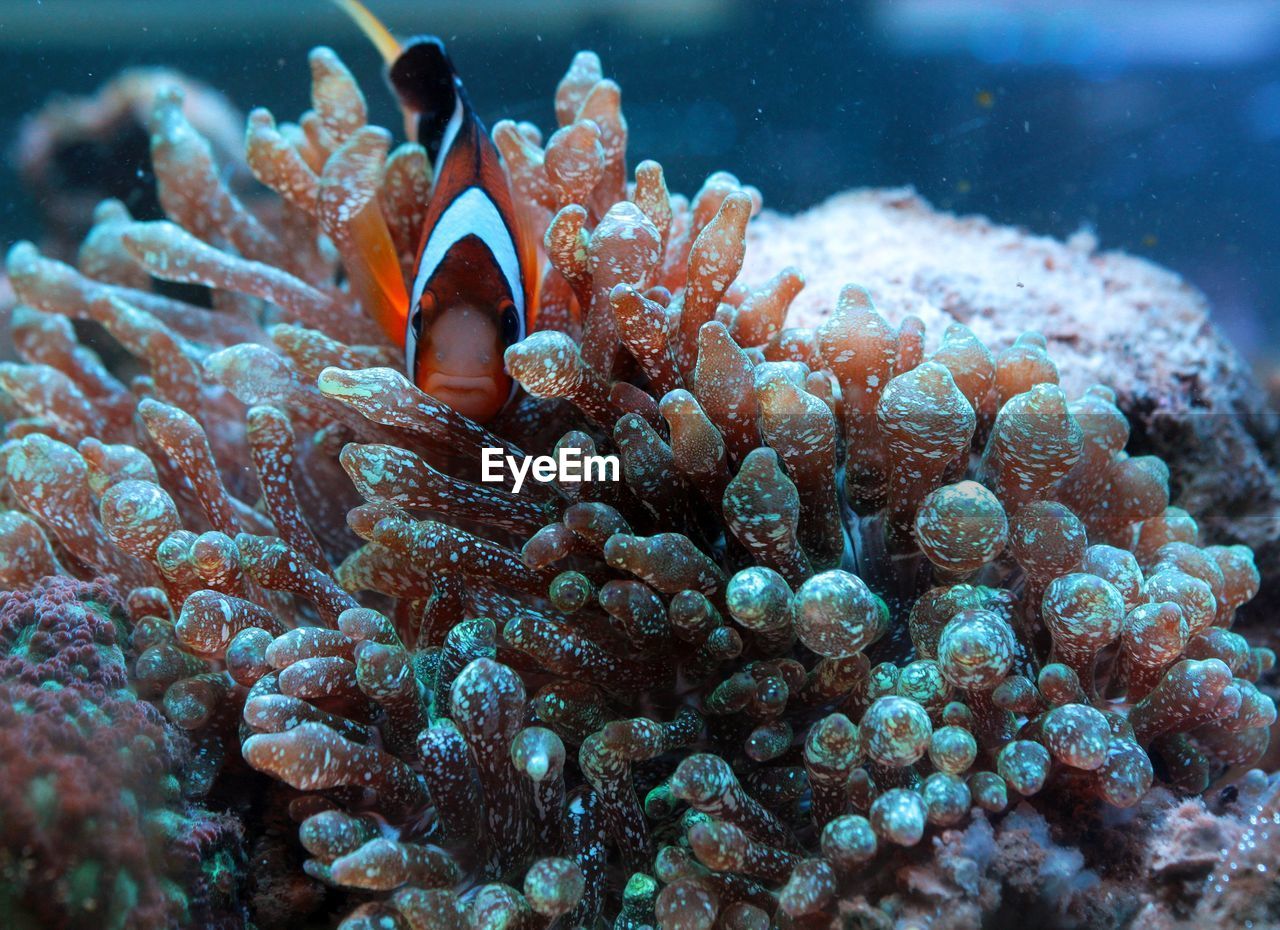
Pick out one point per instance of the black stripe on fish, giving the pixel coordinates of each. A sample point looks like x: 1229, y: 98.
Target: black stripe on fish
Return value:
x: 426, y: 84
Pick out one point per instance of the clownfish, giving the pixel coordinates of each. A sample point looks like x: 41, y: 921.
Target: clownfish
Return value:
x: 474, y: 280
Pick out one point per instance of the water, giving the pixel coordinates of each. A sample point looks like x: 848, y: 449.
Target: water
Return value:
x: 1155, y: 124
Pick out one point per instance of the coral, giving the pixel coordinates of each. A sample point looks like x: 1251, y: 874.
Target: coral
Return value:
x: 859, y: 593
x: 95, y: 829
x: 1188, y: 394
x: 76, y: 151
x: 1170, y: 864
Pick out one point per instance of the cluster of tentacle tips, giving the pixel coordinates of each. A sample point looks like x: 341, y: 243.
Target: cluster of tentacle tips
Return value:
x: 854, y: 586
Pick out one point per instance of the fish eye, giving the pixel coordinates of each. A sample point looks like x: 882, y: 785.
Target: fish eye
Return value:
x: 415, y: 322
x: 509, y: 321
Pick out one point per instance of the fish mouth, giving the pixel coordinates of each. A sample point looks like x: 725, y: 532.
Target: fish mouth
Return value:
x: 458, y: 384
x: 477, y: 397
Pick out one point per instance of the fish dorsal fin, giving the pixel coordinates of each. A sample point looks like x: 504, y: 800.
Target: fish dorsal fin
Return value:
x: 428, y: 88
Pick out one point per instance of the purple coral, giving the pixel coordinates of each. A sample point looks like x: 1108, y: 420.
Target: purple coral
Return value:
x: 96, y: 831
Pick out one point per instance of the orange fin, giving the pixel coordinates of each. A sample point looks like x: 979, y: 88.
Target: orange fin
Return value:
x: 530, y: 261
x: 388, y: 46
x: 377, y: 279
